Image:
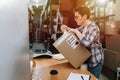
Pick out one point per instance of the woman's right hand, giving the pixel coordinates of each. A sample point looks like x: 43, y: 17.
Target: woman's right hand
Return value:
x: 64, y: 28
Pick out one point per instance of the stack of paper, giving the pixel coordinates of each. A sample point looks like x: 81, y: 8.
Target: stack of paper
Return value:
x: 76, y: 76
x: 58, y: 56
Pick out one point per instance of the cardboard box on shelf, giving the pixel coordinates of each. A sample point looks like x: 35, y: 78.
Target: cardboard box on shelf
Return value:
x: 111, y: 59
x: 112, y: 27
x: 72, y: 50
x: 113, y: 42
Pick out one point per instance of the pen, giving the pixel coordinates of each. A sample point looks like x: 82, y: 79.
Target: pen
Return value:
x: 89, y: 77
x: 82, y: 77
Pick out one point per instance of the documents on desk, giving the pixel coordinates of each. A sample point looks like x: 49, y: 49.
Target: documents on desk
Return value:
x: 76, y: 76
x: 58, y: 56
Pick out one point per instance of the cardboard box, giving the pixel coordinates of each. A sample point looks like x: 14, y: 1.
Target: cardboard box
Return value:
x: 112, y: 27
x: 111, y: 59
x: 55, y: 6
x: 72, y: 50
x: 113, y: 42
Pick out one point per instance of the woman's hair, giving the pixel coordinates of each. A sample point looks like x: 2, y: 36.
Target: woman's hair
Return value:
x: 82, y: 10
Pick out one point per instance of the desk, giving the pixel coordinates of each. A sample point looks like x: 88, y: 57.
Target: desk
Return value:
x: 44, y: 66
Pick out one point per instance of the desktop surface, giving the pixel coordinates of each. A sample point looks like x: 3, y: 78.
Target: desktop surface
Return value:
x: 63, y: 67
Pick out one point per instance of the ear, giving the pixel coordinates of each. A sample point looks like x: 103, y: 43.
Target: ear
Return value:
x: 85, y: 16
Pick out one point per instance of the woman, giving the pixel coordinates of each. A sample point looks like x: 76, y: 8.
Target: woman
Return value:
x: 89, y: 35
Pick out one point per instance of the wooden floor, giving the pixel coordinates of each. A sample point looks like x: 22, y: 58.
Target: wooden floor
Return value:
x: 109, y: 73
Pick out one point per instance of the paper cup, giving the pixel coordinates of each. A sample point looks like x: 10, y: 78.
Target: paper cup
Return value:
x: 83, y: 67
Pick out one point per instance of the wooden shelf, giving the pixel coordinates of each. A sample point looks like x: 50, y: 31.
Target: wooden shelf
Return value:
x: 105, y: 17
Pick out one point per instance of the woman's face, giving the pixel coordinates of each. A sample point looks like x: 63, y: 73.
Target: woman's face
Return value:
x: 78, y: 18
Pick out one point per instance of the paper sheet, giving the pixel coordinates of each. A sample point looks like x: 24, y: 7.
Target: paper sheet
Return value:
x: 58, y: 56
x: 76, y: 76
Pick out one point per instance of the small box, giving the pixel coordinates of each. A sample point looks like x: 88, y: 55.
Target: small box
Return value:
x: 111, y: 59
x: 113, y: 42
x: 72, y: 49
x: 112, y: 27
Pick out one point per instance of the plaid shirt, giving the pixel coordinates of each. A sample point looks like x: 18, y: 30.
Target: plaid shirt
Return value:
x: 91, y: 39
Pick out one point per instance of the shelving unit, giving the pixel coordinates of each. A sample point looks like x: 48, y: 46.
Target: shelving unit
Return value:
x: 100, y: 13
x: 31, y: 26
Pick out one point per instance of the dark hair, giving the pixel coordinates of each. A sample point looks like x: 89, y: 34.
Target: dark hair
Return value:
x: 82, y: 10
